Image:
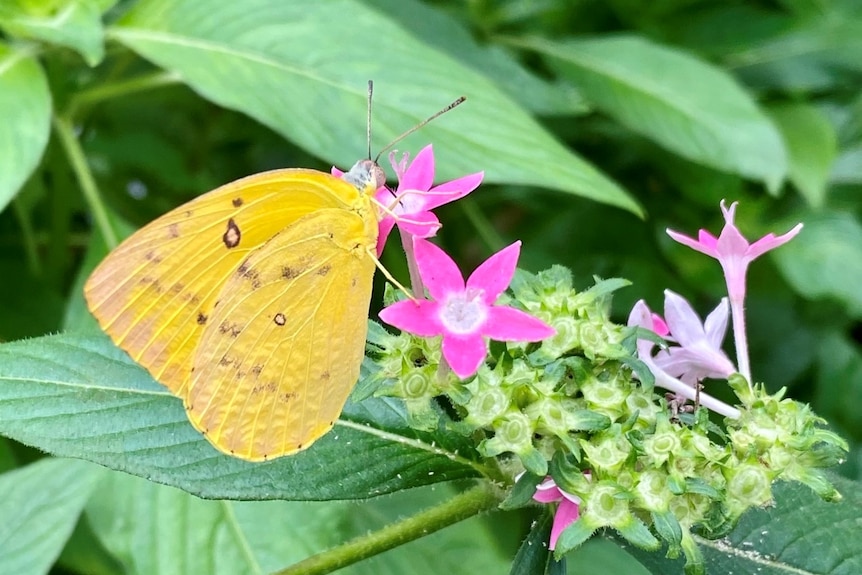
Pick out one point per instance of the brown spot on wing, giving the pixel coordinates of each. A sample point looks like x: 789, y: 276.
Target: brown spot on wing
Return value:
x: 290, y: 273
x: 202, y: 318
x: 237, y: 202
x: 232, y: 235
x: 174, y: 231
x: 324, y: 270
x: 279, y: 319
x: 231, y: 328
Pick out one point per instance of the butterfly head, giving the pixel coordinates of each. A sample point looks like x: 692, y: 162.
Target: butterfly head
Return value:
x: 366, y: 176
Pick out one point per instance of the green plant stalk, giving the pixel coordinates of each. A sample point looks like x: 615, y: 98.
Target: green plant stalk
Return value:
x: 78, y: 160
x: 483, y: 497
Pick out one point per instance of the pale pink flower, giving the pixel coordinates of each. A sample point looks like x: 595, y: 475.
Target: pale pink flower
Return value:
x: 641, y: 316
x: 698, y: 352
x: 732, y: 250
x: 465, y: 314
x: 734, y: 253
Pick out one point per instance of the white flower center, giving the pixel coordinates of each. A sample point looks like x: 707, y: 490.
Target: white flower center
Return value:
x: 409, y: 202
x: 464, y: 313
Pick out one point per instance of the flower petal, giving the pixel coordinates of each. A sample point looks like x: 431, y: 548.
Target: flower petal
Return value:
x: 683, y: 321
x: 715, y: 325
x: 419, y: 175
x: 439, y: 273
x: 451, y: 191
x: 706, y: 243
x: 510, y: 324
x: 420, y: 224
x: 547, y: 492
x: 384, y: 227
x: 770, y: 242
x: 567, y: 513
x: 418, y: 317
x: 495, y: 273
x: 464, y: 354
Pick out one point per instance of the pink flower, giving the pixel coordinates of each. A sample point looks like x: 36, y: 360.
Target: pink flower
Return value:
x: 414, y: 198
x: 568, y: 510
x: 734, y: 253
x: 732, y: 250
x: 641, y: 316
x: 465, y: 314
x: 699, y: 354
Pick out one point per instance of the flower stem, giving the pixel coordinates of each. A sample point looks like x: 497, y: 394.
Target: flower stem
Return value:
x: 481, y: 498
x: 78, y: 160
x: 740, y: 340
x: 416, y: 285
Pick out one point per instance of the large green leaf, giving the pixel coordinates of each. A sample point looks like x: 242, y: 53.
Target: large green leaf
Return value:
x: 79, y: 396
x: 302, y: 67
x: 73, y: 23
x: 800, y: 535
x: 154, y: 529
x: 40, y: 506
x: 25, y: 107
x: 681, y: 102
x: 826, y: 259
x: 812, y: 145
x: 449, y: 35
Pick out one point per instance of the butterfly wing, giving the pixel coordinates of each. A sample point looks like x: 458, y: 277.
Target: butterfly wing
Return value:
x: 154, y: 294
x: 284, y: 343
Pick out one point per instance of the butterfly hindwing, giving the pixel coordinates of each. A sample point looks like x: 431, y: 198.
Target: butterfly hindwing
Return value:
x: 155, y: 293
x: 282, y: 348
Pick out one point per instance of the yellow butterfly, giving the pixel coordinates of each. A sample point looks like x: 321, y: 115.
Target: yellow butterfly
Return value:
x: 250, y: 303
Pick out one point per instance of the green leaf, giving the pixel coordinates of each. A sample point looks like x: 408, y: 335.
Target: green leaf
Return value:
x: 174, y: 532
x: 302, y: 69
x: 812, y: 145
x: 25, y: 106
x: 533, y: 555
x: 40, y: 506
x: 523, y: 490
x: 826, y: 259
x: 79, y: 396
x: 681, y: 102
x: 449, y: 35
x: 800, y: 534
x: 76, y: 24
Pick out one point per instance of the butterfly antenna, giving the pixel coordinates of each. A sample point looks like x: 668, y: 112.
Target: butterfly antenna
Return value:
x: 454, y: 104
x: 368, y: 119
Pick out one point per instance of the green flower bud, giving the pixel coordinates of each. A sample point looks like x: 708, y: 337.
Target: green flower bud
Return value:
x: 486, y: 405
x: 606, y: 452
x: 748, y: 485
x: 651, y: 492
x: 512, y: 433
x: 603, y: 506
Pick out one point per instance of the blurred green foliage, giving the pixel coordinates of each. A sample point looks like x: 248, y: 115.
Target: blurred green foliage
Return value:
x: 599, y: 125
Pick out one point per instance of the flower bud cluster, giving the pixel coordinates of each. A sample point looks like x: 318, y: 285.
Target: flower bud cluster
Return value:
x: 570, y: 408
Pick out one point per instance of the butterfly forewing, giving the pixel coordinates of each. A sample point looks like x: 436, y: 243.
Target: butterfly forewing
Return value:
x: 285, y: 341
x: 155, y: 293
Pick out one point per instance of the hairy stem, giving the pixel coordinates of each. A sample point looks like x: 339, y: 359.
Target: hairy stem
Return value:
x: 481, y: 498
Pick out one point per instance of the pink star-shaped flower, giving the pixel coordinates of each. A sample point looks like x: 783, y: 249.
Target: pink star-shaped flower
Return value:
x: 734, y: 253
x: 411, y: 202
x: 568, y: 511
x: 732, y: 250
x: 465, y: 314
